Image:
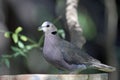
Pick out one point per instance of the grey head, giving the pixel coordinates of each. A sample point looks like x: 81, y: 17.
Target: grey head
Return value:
x: 48, y: 27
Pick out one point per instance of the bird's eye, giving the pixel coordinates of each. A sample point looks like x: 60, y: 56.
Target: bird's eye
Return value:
x: 48, y: 25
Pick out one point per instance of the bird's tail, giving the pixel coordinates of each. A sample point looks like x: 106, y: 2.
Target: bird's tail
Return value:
x: 103, y: 67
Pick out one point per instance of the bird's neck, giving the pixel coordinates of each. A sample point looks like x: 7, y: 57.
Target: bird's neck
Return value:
x: 52, y: 39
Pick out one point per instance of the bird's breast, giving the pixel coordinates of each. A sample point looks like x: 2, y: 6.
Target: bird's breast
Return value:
x: 51, y: 50
x: 52, y: 53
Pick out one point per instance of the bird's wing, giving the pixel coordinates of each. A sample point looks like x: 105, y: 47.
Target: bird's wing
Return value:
x: 73, y: 54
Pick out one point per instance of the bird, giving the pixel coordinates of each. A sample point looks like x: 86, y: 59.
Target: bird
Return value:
x: 65, y: 55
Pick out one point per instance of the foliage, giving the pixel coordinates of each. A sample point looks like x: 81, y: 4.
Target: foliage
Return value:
x: 20, y: 47
x: 22, y: 44
x: 62, y: 33
x: 88, y: 26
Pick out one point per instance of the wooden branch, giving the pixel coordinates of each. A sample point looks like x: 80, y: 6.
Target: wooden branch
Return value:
x: 112, y: 22
x: 103, y: 76
x: 74, y: 27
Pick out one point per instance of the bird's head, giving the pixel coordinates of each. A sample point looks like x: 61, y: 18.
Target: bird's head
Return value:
x: 48, y: 27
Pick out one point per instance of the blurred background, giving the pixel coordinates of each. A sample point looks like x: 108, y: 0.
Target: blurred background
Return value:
x: 99, y: 19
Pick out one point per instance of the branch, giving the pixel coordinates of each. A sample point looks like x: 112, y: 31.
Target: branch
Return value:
x: 74, y: 27
x: 111, y: 20
x: 103, y: 76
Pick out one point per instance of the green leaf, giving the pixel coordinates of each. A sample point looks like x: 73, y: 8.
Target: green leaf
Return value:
x: 23, y: 54
x: 16, y: 54
x: 61, y: 32
x: 29, y: 47
x: 7, y: 34
x: 16, y: 49
x: 6, y: 56
x: 15, y: 38
x: 23, y: 38
x: 19, y: 29
x: 7, y: 62
x: 20, y: 44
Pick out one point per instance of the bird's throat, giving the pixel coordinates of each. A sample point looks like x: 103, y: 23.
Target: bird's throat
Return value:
x: 52, y: 39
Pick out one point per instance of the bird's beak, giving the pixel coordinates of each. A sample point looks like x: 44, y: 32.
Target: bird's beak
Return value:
x: 40, y: 28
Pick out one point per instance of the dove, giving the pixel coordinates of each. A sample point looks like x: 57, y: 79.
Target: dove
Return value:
x: 65, y: 55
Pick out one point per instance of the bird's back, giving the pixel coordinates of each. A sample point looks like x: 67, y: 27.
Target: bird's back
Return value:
x: 73, y: 54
